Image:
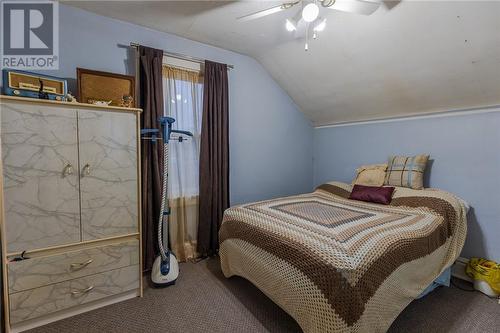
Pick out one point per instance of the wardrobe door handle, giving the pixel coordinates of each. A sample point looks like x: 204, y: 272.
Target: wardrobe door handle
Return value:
x: 86, y: 170
x: 81, y: 264
x: 68, y: 170
x: 80, y: 292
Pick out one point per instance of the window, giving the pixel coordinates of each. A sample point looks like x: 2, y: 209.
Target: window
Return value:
x: 183, y: 98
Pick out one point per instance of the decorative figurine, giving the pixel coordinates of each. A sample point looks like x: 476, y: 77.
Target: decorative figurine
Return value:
x: 126, y: 101
x: 70, y: 98
x: 99, y: 103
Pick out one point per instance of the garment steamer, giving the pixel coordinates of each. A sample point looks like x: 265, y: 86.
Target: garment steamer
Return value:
x: 165, y: 267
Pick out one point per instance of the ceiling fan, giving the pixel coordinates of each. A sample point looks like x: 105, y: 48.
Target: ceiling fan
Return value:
x: 309, y: 17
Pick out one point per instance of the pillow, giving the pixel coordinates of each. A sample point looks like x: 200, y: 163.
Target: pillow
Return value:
x: 406, y: 171
x: 370, y: 175
x: 375, y: 194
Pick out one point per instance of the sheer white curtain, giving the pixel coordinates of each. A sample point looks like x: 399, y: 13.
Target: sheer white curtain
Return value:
x: 183, y: 98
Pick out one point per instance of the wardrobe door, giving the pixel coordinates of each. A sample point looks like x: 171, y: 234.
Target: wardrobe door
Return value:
x: 108, y: 173
x: 40, y: 170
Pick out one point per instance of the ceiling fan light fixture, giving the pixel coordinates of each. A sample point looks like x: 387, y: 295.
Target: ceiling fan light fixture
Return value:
x: 320, y: 26
x: 310, y: 12
x: 290, y: 25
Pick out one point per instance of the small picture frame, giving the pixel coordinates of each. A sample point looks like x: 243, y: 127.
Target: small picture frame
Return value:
x: 99, y: 88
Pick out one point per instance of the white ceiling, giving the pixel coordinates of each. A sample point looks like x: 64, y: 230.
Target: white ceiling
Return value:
x: 409, y: 57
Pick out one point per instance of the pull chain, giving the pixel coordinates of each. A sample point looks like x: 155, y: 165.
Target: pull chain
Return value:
x: 306, y: 47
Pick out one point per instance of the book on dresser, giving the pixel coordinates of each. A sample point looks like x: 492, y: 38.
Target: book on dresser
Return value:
x: 70, y: 223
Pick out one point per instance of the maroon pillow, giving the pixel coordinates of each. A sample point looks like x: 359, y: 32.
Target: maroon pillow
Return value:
x: 381, y: 195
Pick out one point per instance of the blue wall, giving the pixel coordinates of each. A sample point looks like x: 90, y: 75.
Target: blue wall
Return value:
x: 270, y: 139
x: 466, y: 161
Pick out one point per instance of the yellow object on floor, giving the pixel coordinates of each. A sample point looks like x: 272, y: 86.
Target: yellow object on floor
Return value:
x: 485, y: 270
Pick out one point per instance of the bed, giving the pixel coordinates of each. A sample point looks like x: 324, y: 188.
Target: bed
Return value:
x: 340, y: 265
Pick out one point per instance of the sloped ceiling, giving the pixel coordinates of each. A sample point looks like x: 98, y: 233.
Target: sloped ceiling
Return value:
x: 409, y: 57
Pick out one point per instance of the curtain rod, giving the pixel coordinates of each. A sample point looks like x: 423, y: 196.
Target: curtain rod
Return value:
x: 179, y: 56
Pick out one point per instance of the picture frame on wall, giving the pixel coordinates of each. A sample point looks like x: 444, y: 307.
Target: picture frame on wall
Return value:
x: 104, y: 88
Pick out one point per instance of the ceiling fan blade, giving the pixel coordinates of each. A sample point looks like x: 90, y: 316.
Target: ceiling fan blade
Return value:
x: 269, y: 11
x: 261, y: 13
x: 361, y: 7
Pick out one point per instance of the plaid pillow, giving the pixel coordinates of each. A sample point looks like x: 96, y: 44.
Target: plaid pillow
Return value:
x: 406, y: 171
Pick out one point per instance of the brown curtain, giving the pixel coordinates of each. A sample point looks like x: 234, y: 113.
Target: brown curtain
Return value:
x: 151, y: 99
x: 214, y: 157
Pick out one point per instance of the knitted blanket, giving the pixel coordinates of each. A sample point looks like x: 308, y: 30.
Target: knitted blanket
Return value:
x: 339, y: 265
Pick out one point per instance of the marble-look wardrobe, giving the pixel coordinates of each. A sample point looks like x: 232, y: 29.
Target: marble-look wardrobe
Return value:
x: 70, y: 226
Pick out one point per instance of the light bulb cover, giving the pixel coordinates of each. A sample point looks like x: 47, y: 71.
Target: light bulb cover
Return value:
x: 320, y: 26
x: 310, y: 12
x: 290, y: 25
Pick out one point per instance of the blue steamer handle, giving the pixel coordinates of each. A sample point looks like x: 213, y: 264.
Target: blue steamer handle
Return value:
x: 166, y: 127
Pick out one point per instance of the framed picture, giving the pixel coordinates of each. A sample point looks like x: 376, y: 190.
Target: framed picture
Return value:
x: 103, y: 88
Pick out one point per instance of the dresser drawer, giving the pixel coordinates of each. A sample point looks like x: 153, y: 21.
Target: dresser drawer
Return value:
x: 37, y: 302
x: 42, y: 271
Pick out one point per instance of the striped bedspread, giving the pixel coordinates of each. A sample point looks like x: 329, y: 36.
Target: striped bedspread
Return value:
x: 339, y: 265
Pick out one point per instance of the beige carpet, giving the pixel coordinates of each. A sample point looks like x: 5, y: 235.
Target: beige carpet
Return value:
x: 204, y: 301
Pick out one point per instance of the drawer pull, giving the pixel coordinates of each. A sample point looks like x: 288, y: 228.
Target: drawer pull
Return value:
x: 84, y: 291
x: 81, y: 264
x: 86, y: 170
x: 68, y: 170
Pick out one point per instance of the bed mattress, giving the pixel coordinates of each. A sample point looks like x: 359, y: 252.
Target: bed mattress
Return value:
x: 339, y: 265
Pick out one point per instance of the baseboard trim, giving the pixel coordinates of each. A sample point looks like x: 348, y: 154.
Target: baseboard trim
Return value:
x: 458, y: 269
